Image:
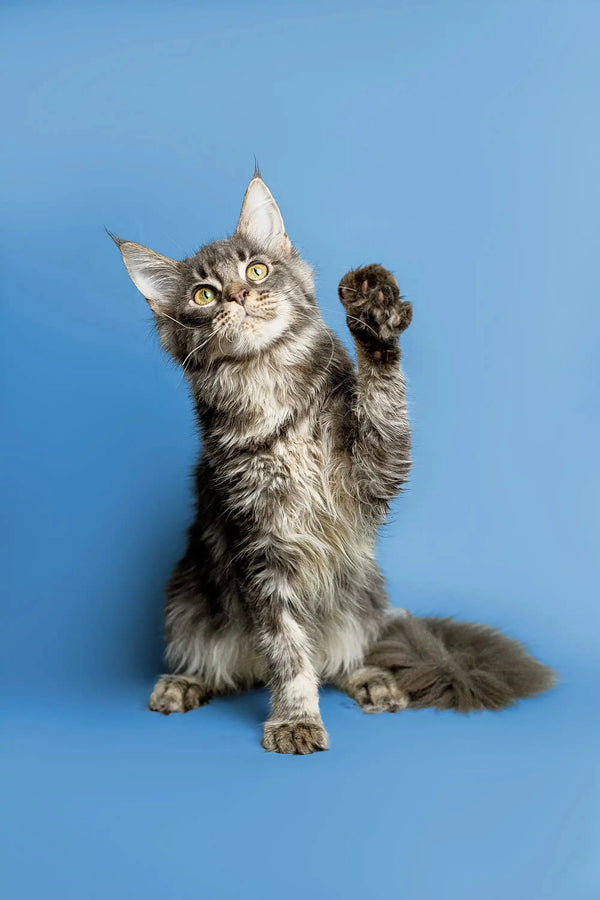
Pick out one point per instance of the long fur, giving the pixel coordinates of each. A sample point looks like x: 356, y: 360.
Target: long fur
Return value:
x: 303, y: 450
x: 457, y: 665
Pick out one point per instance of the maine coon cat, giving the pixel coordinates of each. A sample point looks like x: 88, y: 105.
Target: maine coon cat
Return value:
x: 303, y: 450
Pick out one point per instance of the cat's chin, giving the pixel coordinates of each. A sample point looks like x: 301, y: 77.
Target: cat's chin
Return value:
x: 255, y: 334
x: 252, y: 340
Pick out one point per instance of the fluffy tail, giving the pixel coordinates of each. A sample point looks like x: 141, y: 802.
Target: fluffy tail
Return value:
x: 457, y: 665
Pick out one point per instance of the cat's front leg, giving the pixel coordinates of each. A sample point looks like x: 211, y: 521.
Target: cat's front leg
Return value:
x: 295, y: 724
x: 376, y: 315
x: 179, y: 693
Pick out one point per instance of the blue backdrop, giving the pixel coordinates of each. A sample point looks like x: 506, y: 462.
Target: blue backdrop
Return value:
x: 457, y: 143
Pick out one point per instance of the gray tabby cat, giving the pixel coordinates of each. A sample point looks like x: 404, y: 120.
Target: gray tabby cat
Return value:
x: 302, y: 453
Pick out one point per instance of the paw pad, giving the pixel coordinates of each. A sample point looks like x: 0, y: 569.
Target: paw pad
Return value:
x: 376, y: 313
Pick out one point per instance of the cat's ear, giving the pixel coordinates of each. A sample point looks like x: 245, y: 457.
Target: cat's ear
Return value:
x: 260, y: 219
x: 157, y: 277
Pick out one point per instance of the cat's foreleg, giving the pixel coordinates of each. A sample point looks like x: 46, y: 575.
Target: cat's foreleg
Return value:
x: 376, y: 314
x: 295, y: 724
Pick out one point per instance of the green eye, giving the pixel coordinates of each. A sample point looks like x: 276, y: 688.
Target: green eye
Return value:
x: 203, y: 296
x: 256, y: 272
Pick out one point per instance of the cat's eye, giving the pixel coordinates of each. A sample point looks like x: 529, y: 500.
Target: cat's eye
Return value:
x: 204, y: 295
x: 256, y: 272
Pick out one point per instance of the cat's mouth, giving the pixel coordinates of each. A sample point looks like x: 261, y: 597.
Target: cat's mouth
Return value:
x: 251, y: 309
x: 251, y: 326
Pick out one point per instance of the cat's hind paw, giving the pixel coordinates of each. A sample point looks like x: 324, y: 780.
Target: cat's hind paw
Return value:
x: 375, y: 690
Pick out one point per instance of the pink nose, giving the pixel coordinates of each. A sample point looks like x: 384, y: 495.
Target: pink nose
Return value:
x: 237, y: 294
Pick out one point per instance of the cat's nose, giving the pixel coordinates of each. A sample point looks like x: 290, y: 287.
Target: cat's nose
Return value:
x: 237, y: 293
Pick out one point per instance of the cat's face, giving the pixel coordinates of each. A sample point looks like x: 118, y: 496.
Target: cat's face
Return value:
x: 235, y: 297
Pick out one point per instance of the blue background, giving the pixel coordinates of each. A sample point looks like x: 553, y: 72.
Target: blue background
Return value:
x: 456, y: 142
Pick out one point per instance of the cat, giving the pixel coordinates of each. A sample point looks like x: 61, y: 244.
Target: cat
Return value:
x: 303, y: 450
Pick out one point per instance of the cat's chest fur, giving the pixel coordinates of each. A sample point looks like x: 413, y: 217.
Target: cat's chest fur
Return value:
x: 294, y: 473
x: 284, y: 470
x: 276, y: 446
x: 296, y: 494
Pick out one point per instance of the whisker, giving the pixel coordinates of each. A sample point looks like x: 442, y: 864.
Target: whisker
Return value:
x: 199, y: 347
x: 177, y: 322
x: 332, y: 350
x: 364, y: 324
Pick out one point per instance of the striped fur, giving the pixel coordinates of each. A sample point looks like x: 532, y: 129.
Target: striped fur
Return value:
x: 302, y: 452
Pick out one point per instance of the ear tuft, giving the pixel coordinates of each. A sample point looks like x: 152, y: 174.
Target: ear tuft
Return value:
x: 115, y: 237
x: 155, y: 276
x: 260, y: 219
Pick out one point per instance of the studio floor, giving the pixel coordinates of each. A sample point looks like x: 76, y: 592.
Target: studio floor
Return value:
x: 104, y: 799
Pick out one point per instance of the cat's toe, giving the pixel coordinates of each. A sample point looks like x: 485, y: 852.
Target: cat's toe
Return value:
x: 173, y: 693
x: 401, y: 316
x: 378, y: 692
x: 376, y: 313
x: 369, y: 283
x: 294, y: 737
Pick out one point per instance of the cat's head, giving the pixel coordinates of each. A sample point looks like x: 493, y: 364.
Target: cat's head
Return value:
x: 235, y: 297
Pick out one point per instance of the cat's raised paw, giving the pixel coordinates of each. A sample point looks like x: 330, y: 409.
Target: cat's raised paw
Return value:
x: 178, y: 693
x: 294, y: 737
x: 375, y: 311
